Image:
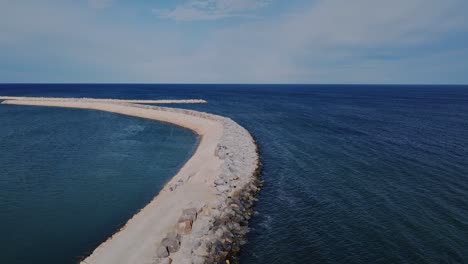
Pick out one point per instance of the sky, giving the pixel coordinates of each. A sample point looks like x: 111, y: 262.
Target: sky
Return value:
x: 234, y: 41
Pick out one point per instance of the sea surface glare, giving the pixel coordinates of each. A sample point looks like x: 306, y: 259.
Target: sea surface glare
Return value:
x: 352, y: 173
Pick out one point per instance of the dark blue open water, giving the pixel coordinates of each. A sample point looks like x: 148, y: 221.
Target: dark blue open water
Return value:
x: 353, y: 174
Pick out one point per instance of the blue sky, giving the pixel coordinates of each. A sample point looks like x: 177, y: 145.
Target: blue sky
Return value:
x: 234, y: 41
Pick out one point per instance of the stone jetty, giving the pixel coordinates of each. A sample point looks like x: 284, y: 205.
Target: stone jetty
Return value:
x: 202, y: 214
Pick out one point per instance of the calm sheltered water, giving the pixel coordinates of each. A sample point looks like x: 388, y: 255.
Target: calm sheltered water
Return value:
x: 353, y: 174
x: 63, y: 173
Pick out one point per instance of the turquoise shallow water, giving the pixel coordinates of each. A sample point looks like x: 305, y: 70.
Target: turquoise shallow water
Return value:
x: 69, y: 178
x: 353, y: 173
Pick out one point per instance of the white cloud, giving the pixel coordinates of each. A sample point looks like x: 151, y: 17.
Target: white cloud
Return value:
x: 377, y: 22
x: 99, y: 4
x: 210, y: 9
x: 326, y: 37
x: 330, y: 41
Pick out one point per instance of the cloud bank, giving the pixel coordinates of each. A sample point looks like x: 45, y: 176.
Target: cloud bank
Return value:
x: 210, y: 9
x: 332, y: 41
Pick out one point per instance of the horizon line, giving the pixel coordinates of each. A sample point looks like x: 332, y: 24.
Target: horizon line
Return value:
x: 229, y: 84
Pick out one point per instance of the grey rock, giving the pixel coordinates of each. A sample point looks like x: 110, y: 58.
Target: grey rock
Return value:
x: 222, y: 188
x: 220, y: 182
x: 221, y: 151
x: 201, y: 227
x: 196, y: 244
x: 162, y: 252
x: 189, y: 214
x: 202, y: 250
x: 219, y: 233
x: 171, y: 244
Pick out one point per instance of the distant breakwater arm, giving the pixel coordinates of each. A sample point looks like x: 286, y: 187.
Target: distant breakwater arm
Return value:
x: 98, y: 100
x: 201, y: 214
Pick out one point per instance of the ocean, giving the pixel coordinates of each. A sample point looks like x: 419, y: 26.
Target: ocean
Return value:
x: 352, y: 173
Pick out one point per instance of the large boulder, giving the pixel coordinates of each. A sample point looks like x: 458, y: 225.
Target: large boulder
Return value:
x: 189, y: 214
x: 171, y: 244
x: 162, y: 252
x: 184, y: 227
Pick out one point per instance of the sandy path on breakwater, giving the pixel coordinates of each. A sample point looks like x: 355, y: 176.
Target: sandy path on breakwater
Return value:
x: 191, y: 187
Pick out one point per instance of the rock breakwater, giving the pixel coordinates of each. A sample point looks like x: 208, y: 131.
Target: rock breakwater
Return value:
x: 214, y: 232
x: 202, y: 214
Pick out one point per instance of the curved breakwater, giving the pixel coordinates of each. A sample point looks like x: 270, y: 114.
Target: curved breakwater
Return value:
x: 201, y: 214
